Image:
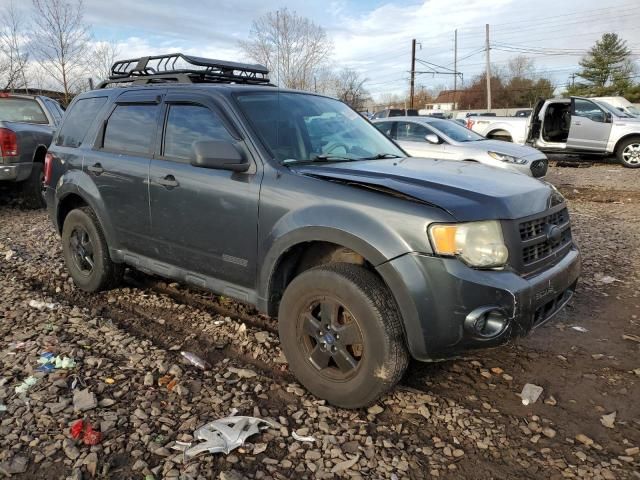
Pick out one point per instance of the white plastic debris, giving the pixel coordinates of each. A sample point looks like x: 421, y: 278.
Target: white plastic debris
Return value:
x: 301, y: 438
x: 222, y: 436
x: 195, y: 360
x: 3, y: 408
x: 26, y: 384
x: 40, y: 305
x: 607, y: 280
x: 608, y: 420
x: 580, y: 329
x: 530, y: 393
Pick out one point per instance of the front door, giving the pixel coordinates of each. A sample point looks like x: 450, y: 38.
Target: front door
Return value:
x: 590, y: 126
x: 119, y: 166
x: 203, y: 220
x: 411, y: 137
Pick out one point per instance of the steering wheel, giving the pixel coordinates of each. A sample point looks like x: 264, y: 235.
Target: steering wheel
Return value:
x: 334, y: 146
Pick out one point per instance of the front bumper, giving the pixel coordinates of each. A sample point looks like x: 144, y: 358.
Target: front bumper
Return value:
x: 435, y: 295
x: 15, y: 172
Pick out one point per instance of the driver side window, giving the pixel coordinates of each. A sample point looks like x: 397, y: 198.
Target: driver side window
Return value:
x: 587, y: 109
x: 411, y: 132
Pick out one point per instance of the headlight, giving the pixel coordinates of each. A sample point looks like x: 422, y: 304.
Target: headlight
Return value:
x: 478, y: 244
x: 503, y: 157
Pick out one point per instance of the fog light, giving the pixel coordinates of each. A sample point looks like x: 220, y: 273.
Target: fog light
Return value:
x: 486, y: 323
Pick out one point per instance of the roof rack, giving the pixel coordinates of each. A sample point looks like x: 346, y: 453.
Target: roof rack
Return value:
x: 180, y: 68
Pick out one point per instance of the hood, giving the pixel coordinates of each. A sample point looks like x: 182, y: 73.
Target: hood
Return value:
x: 468, y: 191
x: 508, y: 148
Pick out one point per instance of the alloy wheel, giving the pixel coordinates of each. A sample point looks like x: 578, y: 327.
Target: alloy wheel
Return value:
x: 631, y: 154
x: 82, y: 250
x: 331, y: 339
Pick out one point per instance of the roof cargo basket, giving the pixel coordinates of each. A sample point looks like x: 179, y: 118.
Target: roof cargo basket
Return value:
x: 180, y: 68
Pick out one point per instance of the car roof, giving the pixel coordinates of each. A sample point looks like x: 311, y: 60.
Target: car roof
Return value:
x: 225, y: 87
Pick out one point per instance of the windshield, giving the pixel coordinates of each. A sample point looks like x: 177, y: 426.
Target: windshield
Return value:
x: 21, y: 110
x: 455, y: 131
x: 299, y: 127
x: 614, y: 110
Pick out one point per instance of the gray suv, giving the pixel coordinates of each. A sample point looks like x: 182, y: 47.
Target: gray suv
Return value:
x: 292, y: 202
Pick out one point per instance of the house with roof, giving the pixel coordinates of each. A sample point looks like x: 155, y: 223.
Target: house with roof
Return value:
x: 444, y: 102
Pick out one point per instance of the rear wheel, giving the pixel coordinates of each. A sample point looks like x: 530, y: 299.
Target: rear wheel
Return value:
x: 86, y: 253
x: 628, y: 153
x: 32, y: 188
x: 341, y: 333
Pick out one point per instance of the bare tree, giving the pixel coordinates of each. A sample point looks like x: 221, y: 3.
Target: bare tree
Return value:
x: 103, y: 56
x: 61, y: 41
x: 350, y: 88
x: 292, y: 47
x: 521, y: 66
x: 13, y: 57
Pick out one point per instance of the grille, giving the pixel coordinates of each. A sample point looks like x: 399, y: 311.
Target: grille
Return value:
x: 542, y: 250
x: 539, y: 168
x: 544, y: 238
x: 535, y: 228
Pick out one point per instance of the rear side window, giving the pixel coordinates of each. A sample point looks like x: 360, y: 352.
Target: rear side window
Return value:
x: 22, y: 110
x: 131, y: 128
x: 78, y: 120
x: 187, y: 124
x: 53, y: 110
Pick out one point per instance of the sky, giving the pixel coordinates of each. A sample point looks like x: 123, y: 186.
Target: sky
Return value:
x: 374, y: 36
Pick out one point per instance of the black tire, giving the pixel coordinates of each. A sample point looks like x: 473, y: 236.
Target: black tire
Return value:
x: 363, y: 299
x: 628, y: 152
x: 88, y: 261
x: 31, y: 188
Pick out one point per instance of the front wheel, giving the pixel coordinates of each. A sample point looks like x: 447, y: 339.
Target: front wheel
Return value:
x: 86, y: 253
x: 341, y: 333
x: 628, y: 153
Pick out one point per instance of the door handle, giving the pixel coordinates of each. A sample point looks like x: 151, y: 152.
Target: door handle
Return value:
x: 577, y: 123
x: 168, y: 181
x: 96, y: 168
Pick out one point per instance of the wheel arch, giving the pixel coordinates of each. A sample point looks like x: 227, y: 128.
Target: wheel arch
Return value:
x: 72, y: 194
x: 624, y: 138
x: 39, y: 153
x: 494, y: 131
x: 303, y: 249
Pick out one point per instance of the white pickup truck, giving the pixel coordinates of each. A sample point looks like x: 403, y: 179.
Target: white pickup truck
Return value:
x: 569, y: 125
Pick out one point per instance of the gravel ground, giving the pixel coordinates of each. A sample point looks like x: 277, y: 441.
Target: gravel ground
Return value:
x: 455, y: 419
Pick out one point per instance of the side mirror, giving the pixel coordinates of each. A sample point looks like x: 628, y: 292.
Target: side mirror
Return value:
x: 608, y: 117
x: 432, y: 138
x: 220, y: 155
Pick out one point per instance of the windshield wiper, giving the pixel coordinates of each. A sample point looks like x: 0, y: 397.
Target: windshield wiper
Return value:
x: 319, y: 158
x: 380, y: 156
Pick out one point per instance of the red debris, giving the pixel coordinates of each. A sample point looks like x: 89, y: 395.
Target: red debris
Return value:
x: 76, y: 429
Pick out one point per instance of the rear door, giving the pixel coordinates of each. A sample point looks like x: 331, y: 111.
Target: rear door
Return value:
x: 203, y: 220
x: 119, y: 165
x: 534, y: 124
x: 590, y: 126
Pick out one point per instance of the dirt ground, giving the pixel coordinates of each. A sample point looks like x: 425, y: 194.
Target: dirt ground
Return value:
x: 460, y: 419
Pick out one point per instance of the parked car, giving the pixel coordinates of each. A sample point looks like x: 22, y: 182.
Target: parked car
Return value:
x: 294, y: 203
x: 570, y: 125
x: 621, y: 104
x: 395, y: 112
x: 446, y: 139
x: 27, y: 123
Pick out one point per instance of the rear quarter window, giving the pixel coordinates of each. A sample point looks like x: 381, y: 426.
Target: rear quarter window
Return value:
x: 78, y: 121
x: 22, y: 110
x: 131, y: 128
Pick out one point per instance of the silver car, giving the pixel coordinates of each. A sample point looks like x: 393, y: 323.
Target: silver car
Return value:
x: 446, y: 139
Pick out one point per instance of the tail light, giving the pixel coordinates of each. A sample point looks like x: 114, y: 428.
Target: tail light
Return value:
x: 8, y: 143
x: 48, y: 168
x: 470, y: 123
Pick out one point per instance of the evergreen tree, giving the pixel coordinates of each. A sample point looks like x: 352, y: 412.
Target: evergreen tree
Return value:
x: 607, y: 68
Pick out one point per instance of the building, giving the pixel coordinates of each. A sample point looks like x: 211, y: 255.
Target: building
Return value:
x: 445, y: 102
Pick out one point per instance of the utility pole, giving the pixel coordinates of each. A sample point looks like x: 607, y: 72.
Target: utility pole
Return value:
x: 455, y: 68
x: 573, y: 80
x: 488, y: 48
x: 413, y: 72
